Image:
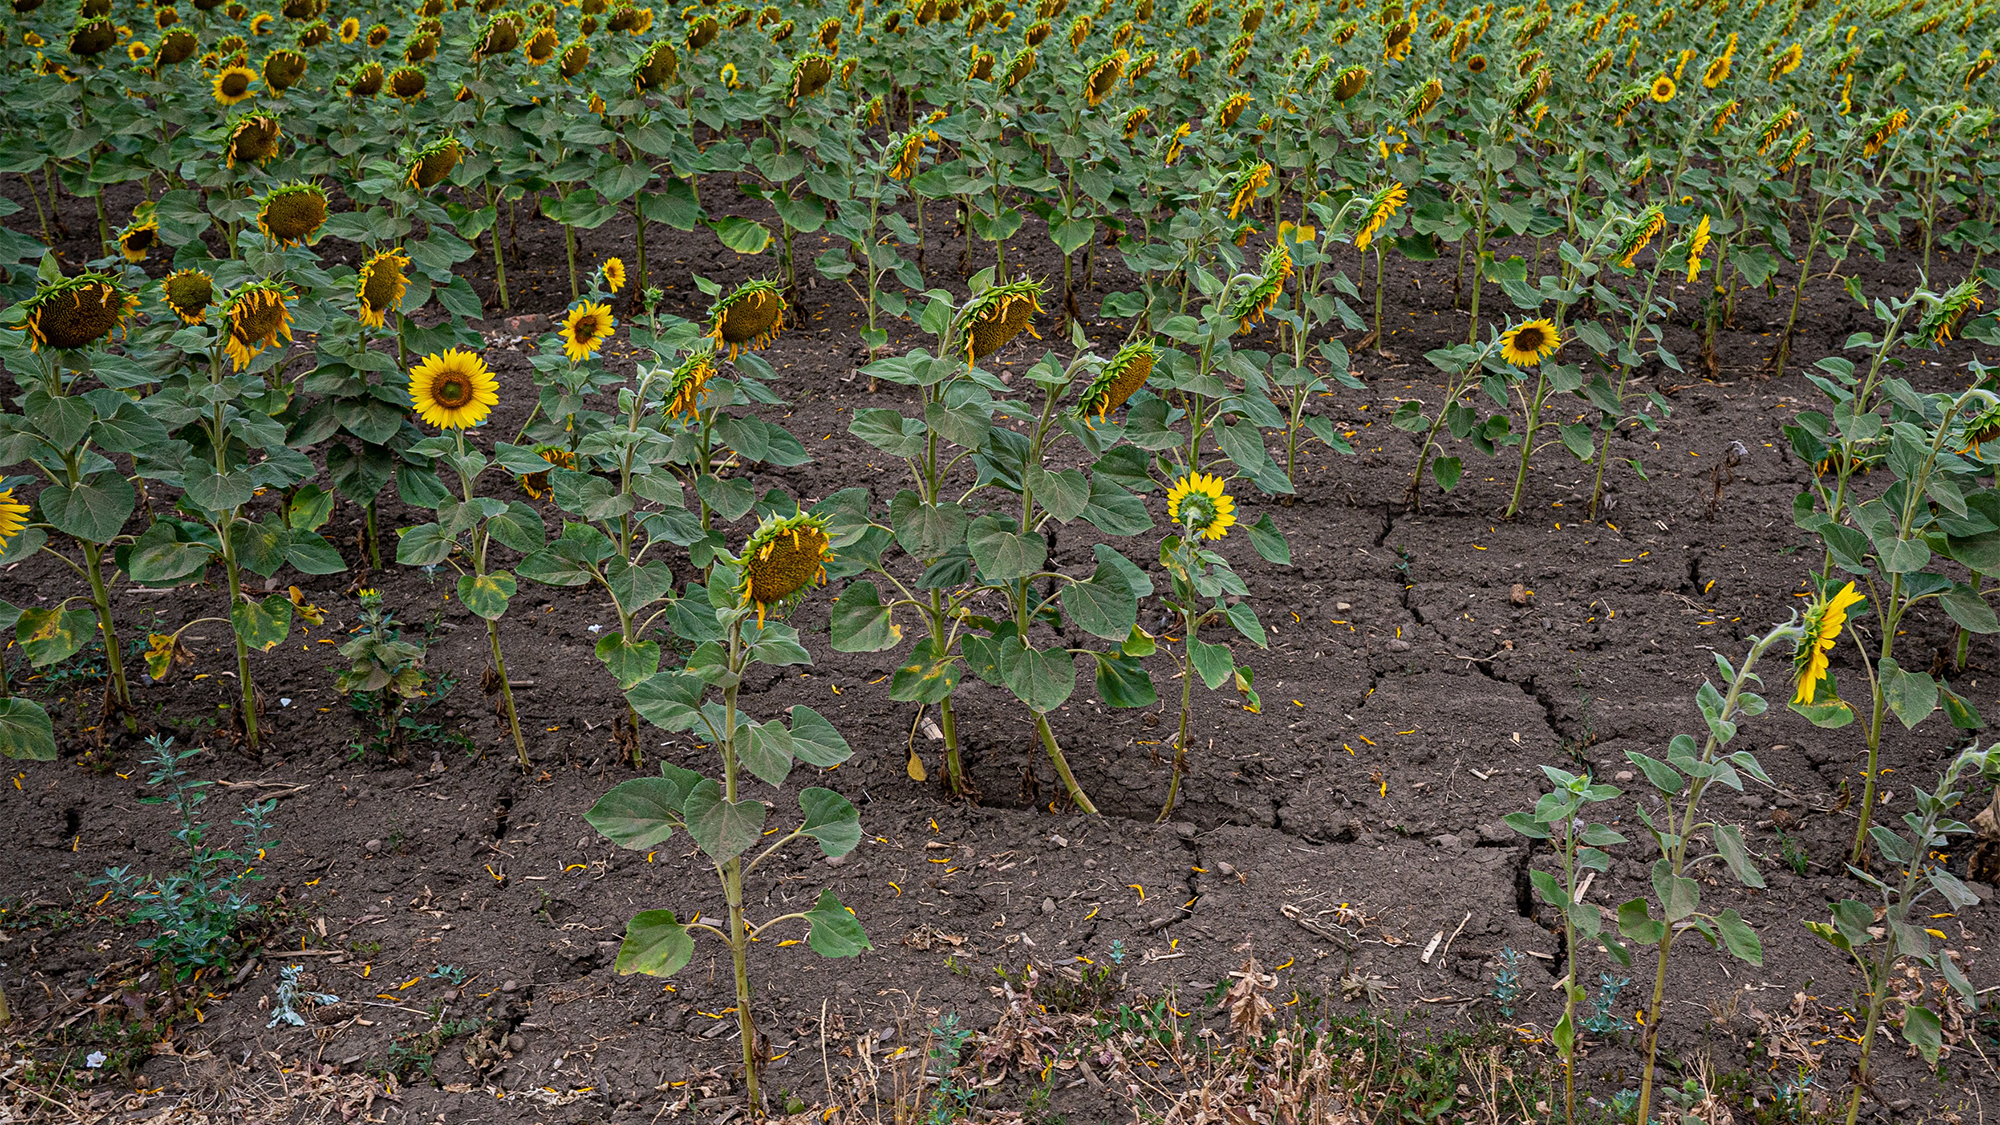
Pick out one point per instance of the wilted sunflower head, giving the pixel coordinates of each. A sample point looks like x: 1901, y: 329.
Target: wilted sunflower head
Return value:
x: 503, y: 34
x: 1104, y: 76
x: 252, y: 140
x: 1244, y: 193
x: 810, y: 74
x: 1172, y: 144
x: 749, y: 317
x: 1650, y: 222
x: 909, y: 150
x: 140, y: 235
x: 702, y: 31
x: 687, y: 383
x: 232, y: 84
x: 365, y: 80
x: 256, y: 316
x: 981, y: 69
x: 585, y: 328
x: 453, y: 389
x: 1982, y: 427
x: 177, y: 46
x: 23, y: 7
x: 165, y: 16
x: 1264, y: 293
x: 92, y: 37
x: 283, y: 68
x: 1422, y: 99
x: 536, y: 485
x: 76, y: 312
x: 189, y: 293
x: 292, y: 213
x: 1018, y: 67
x: 378, y: 35
x: 656, y: 68
x: 433, y: 163
x: 420, y: 47
x: 1476, y: 64
x: 1948, y: 311
x: 1135, y: 120
x: 541, y: 46
x: 1231, y: 108
x: 1118, y: 381
x: 380, y: 285
x: 315, y: 33
x: 574, y: 59
x: 998, y: 315
x: 782, y: 559
x: 1349, y: 82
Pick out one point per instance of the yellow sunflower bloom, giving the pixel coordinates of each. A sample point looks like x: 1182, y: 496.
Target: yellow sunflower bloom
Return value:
x: 257, y: 315
x: 614, y: 274
x: 585, y: 329
x: 13, y: 517
x: 1198, y: 503
x: 1697, y: 243
x: 1530, y: 343
x: 1381, y: 209
x: 379, y: 287
x: 453, y: 390
x: 233, y: 84
x: 1663, y: 89
x: 1824, y: 621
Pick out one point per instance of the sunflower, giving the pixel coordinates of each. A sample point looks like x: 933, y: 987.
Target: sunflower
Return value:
x: 292, y: 213
x: 613, y: 272
x: 407, y: 83
x: 350, y: 29
x: 575, y: 57
x: 1135, y: 120
x: 1079, y: 30
x: 585, y: 328
x: 1382, y: 208
x: 1949, y: 312
x: 256, y: 315
x: 536, y: 485
x: 453, y: 390
x: 998, y: 315
x: 782, y: 558
x: 1697, y: 242
x: 1885, y: 130
x: 1104, y: 76
x: 365, y: 80
x: 1476, y: 64
x: 1795, y: 150
x: 1019, y: 64
x: 1175, y: 141
x: 502, y: 35
x: 1270, y: 285
x: 315, y: 33
x: 1186, y: 62
x: 1663, y: 89
x: 165, y: 16
x: 1231, y: 109
x: 13, y: 516
x: 189, y: 293
x: 541, y: 46
x: 750, y: 317
x: 420, y: 47
x: 1198, y: 503
x: 233, y: 84
x: 1247, y: 187
x: 1530, y: 343
x: 1824, y: 621
x: 685, y: 387
x: 378, y: 35
x: 433, y: 163
x: 1649, y: 223
x: 76, y: 312
x: 260, y: 24
x: 1349, y: 82
x: 1422, y: 100
x: 810, y: 74
x: 92, y: 38
x: 656, y: 68
x: 140, y: 235
x: 1118, y: 381
x: 702, y: 31
x: 177, y: 46
x: 981, y: 69
x: 379, y: 286
x: 909, y: 150
x: 1787, y: 62
x: 1141, y: 67
x: 252, y: 140
x: 137, y: 50
x: 1723, y: 115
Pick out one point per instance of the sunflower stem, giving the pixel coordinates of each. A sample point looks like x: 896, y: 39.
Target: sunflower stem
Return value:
x: 1076, y: 794
x: 507, y: 693
x: 249, y: 689
x: 500, y: 254
x: 114, y: 658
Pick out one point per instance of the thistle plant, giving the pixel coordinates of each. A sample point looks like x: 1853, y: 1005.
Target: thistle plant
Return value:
x: 1918, y: 874
x: 780, y: 562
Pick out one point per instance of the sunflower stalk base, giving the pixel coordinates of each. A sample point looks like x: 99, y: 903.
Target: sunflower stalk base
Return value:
x: 119, y: 689
x: 248, y: 701
x: 507, y: 694
x: 1077, y: 796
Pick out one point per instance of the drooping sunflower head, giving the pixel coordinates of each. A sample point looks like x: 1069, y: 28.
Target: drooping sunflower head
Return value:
x: 749, y: 317
x: 536, y: 485
x: 1884, y: 131
x: 782, y: 559
x: 165, y: 16
x: 1019, y: 65
x: 1696, y: 244
x: 1787, y: 61
x: 810, y: 74
x: 189, y: 293
x: 1476, y: 64
x: 585, y: 328
x: 541, y: 46
x: 1949, y: 311
x: 685, y: 386
x: 1349, y: 82
x: 1662, y: 89
x: 13, y: 516
x: 909, y: 153
x: 1422, y: 99
x: 252, y: 140
x: 1383, y: 207
x: 1104, y: 76
x: 575, y: 58
x: 433, y: 163
x: 283, y: 68
x: 233, y: 84
x: 1187, y: 62
x: 257, y: 315
x: 613, y: 273
x: 1118, y: 381
x: 1717, y: 72
x: 1174, y: 143
x: 292, y: 213
x: 75, y: 312
x: 177, y: 46
x: 1530, y: 342
x: 981, y: 68
x: 140, y: 235
x: 503, y: 34
x: 1795, y: 150
x: 453, y: 390
x: 1247, y: 185
x: 1982, y: 427
x: 1135, y: 120
x: 1649, y: 223
x: 1079, y: 30
x: 702, y: 31
x: 998, y: 315
x: 365, y: 80
x: 380, y: 285
x: 1198, y: 503
x: 261, y: 23
x: 1824, y: 620
x: 1265, y: 292
x: 656, y: 69
x: 92, y: 37
x: 1724, y: 115
x: 350, y: 29
x: 407, y: 83
x: 378, y: 35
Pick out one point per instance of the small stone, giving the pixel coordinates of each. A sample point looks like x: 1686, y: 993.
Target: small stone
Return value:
x: 510, y: 986
x: 1089, y: 864
x: 1184, y: 830
x: 836, y: 861
x: 517, y: 1042
x: 372, y: 846
x: 1750, y: 801
x: 1048, y: 906
x: 1519, y: 594
x: 1225, y: 869
x: 1495, y: 832
x: 1622, y: 775
x: 1448, y: 841
x: 1342, y: 606
x: 1398, y: 644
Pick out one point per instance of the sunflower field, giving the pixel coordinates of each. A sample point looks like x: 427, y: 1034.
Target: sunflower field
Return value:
x: 1088, y: 438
